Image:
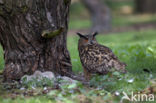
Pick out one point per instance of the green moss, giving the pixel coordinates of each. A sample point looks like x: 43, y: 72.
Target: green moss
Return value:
x: 50, y: 34
x: 24, y: 9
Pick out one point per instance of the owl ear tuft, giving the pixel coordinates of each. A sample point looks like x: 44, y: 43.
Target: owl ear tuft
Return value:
x: 81, y: 35
x: 95, y: 33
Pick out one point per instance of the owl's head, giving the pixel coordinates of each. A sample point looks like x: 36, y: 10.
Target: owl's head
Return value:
x: 86, y: 40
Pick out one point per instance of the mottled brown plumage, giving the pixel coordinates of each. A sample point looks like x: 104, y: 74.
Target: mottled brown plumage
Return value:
x: 96, y: 58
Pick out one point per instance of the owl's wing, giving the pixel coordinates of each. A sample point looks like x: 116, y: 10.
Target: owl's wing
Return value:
x: 107, y: 51
x: 99, y: 59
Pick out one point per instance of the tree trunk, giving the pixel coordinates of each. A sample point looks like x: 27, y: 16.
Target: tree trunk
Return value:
x: 100, y: 15
x: 146, y: 6
x: 24, y: 26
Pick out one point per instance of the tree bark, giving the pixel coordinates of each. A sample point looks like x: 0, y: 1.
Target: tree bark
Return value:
x: 145, y: 6
x: 100, y: 15
x: 22, y: 24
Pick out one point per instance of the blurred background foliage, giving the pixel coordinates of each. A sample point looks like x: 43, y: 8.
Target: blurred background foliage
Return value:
x: 123, y: 13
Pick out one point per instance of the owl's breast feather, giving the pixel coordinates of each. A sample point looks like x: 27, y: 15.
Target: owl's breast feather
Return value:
x: 91, y: 55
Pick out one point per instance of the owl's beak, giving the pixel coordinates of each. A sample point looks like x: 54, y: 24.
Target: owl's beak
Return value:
x: 91, y: 43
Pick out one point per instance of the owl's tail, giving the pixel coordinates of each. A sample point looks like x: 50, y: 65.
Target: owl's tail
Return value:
x: 120, y: 66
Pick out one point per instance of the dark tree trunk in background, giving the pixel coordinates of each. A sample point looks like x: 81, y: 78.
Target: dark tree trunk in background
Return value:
x: 100, y: 15
x: 146, y: 6
x: 21, y: 24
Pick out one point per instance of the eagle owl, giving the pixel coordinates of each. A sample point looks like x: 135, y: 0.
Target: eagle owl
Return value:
x: 96, y: 58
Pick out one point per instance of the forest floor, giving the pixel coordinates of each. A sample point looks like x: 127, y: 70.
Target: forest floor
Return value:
x: 136, y: 48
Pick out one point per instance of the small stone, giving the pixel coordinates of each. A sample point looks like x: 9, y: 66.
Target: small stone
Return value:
x: 22, y: 88
x: 117, y: 93
x: 131, y: 80
x: 49, y: 75
x: 33, y: 87
x: 67, y: 81
x: 45, y: 88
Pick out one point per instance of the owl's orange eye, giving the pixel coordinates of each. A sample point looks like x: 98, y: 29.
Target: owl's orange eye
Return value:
x: 93, y: 38
x: 86, y: 40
